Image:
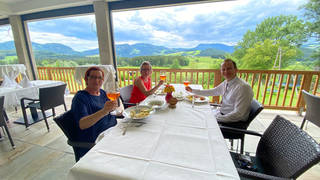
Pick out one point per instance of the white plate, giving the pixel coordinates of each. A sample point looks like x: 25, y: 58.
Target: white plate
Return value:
x: 137, y: 110
x: 156, y: 103
x: 197, y: 99
x: 178, y: 95
x: 160, y: 92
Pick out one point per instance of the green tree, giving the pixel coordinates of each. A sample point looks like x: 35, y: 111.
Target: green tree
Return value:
x: 312, y: 12
x: 263, y: 54
x: 175, y: 64
x: 287, y: 32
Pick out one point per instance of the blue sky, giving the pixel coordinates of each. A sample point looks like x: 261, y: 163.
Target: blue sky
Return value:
x: 175, y: 27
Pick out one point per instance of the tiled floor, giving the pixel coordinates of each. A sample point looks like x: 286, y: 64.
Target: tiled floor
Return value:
x: 40, y: 154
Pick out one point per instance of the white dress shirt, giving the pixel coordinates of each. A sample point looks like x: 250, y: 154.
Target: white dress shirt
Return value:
x: 236, y: 99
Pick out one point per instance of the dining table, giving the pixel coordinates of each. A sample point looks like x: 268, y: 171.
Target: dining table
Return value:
x: 181, y: 143
x: 12, y: 96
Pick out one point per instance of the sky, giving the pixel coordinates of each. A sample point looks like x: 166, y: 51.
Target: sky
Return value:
x: 174, y: 27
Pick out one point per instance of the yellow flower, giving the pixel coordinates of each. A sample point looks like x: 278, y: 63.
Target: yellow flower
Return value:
x: 169, y: 88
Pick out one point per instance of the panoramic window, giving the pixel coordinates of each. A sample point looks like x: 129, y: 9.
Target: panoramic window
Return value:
x: 65, y: 42
x: 257, y: 34
x: 8, y: 53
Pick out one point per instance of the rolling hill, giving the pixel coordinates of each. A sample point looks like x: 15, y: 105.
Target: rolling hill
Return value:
x: 122, y: 50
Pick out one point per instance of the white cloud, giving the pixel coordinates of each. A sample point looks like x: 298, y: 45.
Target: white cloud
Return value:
x: 5, y: 34
x: 73, y: 42
x: 178, y: 26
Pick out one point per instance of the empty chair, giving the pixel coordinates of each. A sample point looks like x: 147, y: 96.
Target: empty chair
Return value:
x: 125, y: 94
x: 3, y: 122
x: 312, y: 112
x: 68, y: 126
x: 284, y: 151
x: 49, y: 98
x: 255, y: 109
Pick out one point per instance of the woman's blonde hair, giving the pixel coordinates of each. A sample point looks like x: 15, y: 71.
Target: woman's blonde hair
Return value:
x: 145, y: 63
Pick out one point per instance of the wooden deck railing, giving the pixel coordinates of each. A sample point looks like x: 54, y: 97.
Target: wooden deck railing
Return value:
x: 275, y: 89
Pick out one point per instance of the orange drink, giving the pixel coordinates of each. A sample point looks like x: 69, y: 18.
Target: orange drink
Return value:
x: 113, y: 95
x: 186, y: 83
x: 163, y: 77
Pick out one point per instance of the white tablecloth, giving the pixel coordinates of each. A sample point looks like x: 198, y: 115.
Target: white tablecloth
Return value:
x: 12, y: 70
x: 184, y: 143
x: 13, y: 95
x: 109, y: 75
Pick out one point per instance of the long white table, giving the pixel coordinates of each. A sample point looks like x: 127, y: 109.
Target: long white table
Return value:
x: 184, y: 143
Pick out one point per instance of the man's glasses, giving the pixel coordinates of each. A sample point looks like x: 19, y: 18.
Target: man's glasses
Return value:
x: 95, y: 77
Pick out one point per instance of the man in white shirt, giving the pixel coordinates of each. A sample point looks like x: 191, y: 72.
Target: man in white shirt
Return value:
x: 236, y: 95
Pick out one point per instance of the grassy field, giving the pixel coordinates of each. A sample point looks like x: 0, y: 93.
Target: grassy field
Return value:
x: 194, y: 63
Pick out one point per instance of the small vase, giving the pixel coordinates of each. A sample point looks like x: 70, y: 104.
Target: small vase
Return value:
x: 168, y: 96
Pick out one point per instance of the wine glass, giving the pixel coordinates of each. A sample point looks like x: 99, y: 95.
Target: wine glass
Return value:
x: 163, y: 75
x: 113, y: 96
x: 186, y: 83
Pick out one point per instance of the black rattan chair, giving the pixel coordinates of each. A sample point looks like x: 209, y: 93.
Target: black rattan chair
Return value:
x: 68, y: 126
x: 312, y: 111
x: 49, y: 98
x: 256, y: 108
x: 3, y: 121
x: 284, y: 152
x: 125, y: 94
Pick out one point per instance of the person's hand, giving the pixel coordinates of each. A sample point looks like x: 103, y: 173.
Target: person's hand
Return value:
x: 188, y: 88
x: 161, y: 82
x: 110, y: 106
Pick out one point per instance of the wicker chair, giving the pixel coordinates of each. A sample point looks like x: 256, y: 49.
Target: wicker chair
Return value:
x: 312, y: 112
x: 284, y: 152
x: 49, y: 98
x: 255, y: 109
x: 68, y: 126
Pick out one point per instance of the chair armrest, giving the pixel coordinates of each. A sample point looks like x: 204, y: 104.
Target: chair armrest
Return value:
x: 126, y: 104
x: 215, y: 104
x: 239, y: 131
x: 256, y: 175
x: 120, y: 117
x: 23, y: 106
x: 30, y: 99
x: 81, y: 144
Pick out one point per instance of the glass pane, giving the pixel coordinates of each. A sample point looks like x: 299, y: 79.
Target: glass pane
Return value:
x: 8, y: 53
x: 65, y: 42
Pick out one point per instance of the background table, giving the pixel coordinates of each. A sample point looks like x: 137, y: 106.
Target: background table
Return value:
x: 12, y: 96
x: 12, y: 70
x: 182, y: 143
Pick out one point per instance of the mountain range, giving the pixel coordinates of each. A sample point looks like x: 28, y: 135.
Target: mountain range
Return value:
x: 123, y: 50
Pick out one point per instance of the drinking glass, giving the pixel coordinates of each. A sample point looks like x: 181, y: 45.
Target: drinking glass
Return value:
x: 163, y: 75
x: 186, y: 83
x: 113, y: 96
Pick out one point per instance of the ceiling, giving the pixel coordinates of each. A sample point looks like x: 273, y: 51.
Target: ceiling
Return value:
x: 20, y: 7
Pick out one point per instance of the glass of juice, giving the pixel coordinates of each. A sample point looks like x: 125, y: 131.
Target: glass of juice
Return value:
x: 186, y: 83
x: 113, y: 96
x: 163, y: 75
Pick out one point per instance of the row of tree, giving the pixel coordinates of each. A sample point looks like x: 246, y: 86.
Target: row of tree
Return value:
x: 164, y: 61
